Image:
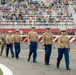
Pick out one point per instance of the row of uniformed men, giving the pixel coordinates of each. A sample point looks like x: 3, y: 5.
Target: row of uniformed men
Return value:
x: 47, y: 43
x: 47, y: 37
x: 8, y: 40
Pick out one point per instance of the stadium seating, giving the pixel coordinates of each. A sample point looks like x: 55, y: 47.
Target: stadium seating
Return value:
x: 19, y: 15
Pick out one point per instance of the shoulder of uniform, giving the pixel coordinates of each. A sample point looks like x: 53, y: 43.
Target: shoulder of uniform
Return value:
x: 44, y: 33
x: 2, y: 35
x: 20, y: 35
x: 36, y: 32
x: 7, y: 36
x: 67, y: 36
x: 51, y: 33
x: 14, y: 35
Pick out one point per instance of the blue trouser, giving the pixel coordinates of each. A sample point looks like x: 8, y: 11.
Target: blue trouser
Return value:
x: 17, y: 49
x: 62, y: 51
x: 48, y: 49
x: 33, y: 49
x: 9, y: 46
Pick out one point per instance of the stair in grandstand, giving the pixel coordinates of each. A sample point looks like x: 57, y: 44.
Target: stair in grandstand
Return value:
x: 70, y: 7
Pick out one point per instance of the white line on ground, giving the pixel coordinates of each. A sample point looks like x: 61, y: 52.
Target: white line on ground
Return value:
x: 43, y: 50
x: 5, y: 70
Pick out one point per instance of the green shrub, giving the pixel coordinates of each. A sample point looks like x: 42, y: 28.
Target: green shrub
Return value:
x: 1, y: 72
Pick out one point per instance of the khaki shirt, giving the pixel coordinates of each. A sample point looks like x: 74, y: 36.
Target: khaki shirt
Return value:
x: 75, y: 35
x: 9, y: 39
x: 0, y: 42
x: 64, y: 40
x: 33, y: 36
x: 47, y: 38
x: 17, y: 38
x: 3, y: 38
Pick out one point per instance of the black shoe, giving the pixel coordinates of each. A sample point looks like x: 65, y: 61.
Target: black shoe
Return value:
x: 34, y: 61
x: 68, y: 69
x: 57, y: 66
x: 17, y: 57
x: 12, y: 56
x: 6, y: 56
x: 28, y: 59
x: 47, y: 64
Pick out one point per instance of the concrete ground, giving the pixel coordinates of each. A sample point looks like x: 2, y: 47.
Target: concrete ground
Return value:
x: 23, y: 67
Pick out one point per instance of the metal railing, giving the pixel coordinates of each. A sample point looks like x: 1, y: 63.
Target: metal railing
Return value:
x: 20, y: 24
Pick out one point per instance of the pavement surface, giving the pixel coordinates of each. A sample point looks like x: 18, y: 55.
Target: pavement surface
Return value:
x: 23, y: 67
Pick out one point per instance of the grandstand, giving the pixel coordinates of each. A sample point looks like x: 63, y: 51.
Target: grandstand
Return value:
x: 57, y: 14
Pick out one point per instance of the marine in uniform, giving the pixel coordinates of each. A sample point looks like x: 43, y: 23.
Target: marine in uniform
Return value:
x: 0, y: 45
x: 75, y: 36
x: 33, y: 43
x: 10, y: 42
x: 47, y: 44
x: 63, y: 47
x: 17, y: 43
x: 3, y: 38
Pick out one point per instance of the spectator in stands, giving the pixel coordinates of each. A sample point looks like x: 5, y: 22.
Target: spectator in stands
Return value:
x: 3, y: 2
x: 74, y: 6
x: 35, y: 9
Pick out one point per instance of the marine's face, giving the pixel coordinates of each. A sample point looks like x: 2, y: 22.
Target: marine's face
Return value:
x: 33, y: 29
x: 17, y: 32
x: 10, y: 33
x: 63, y: 33
x: 48, y: 30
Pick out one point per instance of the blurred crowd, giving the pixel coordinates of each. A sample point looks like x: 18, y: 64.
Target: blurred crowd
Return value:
x: 35, y: 12
x: 74, y: 5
